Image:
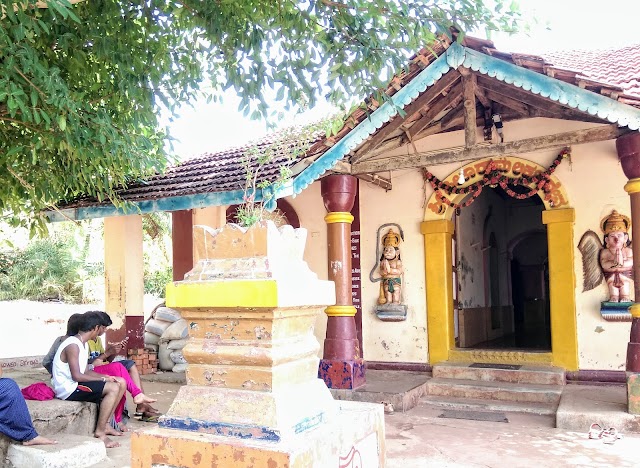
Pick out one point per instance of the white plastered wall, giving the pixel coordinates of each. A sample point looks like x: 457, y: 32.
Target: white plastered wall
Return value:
x: 404, y: 341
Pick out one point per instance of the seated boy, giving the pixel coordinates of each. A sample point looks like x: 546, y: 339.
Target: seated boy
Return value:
x: 73, y: 381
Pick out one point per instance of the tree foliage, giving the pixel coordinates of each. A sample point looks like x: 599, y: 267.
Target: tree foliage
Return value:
x: 81, y: 85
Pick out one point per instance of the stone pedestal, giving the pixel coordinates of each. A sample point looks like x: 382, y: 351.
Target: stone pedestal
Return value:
x: 252, y: 396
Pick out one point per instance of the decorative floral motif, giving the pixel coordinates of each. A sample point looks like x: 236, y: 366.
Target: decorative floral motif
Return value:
x: 493, y: 174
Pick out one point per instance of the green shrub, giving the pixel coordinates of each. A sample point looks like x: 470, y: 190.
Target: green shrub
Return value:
x: 155, y: 282
x: 45, y: 270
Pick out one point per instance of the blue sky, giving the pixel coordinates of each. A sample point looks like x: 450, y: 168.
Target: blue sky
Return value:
x: 572, y: 24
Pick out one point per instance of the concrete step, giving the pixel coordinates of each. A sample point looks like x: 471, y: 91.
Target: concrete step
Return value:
x: 543, y: 375
x: 399, y: 391
x: 471, y: 404
x: 71, y: 451
x: 502, y: 391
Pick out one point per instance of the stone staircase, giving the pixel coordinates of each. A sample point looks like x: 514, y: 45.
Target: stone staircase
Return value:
x: 527, y: 389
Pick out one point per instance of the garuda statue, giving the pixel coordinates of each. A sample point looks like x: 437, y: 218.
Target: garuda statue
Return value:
x: 611, y: 260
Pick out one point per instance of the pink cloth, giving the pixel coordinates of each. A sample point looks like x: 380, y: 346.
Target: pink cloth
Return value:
x: 118, y: 370
x: 38, y: 391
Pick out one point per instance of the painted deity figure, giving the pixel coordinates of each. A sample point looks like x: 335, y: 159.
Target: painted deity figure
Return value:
x: 390, y: 269
x: 616, y: 258
x: 611, y: 260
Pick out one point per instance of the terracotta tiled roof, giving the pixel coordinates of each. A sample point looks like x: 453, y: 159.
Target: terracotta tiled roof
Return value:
x: 619, y: 67
x: 611, y: 73
x: 210, y: 172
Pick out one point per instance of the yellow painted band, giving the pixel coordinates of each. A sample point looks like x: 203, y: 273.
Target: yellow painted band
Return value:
x: 436, y: 226
x: 340, y: 311
x: 635, y: 310
x: 561, y: 215
x: 240, y: 293
x: 338, y: 217
x: 633, y: 186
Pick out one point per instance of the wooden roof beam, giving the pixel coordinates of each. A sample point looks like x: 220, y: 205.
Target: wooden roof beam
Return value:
x: 531, y: 99
x: 451, y: 100
x: 577, y: 137
x: 413, y: 108
x: 513, y: 104
x: 375, y: 179
x: 469, y: 101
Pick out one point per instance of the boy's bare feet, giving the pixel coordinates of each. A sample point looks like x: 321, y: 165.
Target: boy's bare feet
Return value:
x: 141, y: 399
x: 146, y: 408
x: 112, y: 432
x: 39, y: 440
x: 108, y: 442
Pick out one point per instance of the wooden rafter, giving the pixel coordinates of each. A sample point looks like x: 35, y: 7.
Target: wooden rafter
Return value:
x: 413, y: 108
x: 469, y: 102
x: 540, y: 103
x: 454, y: 115
x: 375, y: 179
x: 451, y: 100
x: 601, y: 133
x: 513, y: 104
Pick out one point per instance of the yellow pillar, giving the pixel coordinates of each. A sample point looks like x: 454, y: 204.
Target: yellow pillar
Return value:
x: 124, y: 278
x: 562, y: 285
x: 212, y: 216
x: 437, y: 249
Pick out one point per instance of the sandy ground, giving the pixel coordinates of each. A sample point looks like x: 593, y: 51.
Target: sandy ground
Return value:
x: 29, y: 327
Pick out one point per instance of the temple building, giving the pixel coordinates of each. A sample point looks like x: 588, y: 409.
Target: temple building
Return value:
x: 485, y: 213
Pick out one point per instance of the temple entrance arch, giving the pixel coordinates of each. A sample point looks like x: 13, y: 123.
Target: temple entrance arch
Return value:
x: 438, y: 228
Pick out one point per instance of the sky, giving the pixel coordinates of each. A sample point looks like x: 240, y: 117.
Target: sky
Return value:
x: 556, y: 25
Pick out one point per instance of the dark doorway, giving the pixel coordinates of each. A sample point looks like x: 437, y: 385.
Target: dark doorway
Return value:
x: 502, y: 273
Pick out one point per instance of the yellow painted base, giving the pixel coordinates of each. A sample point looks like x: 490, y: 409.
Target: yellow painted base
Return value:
x: 358, y: 429
x: 499, y: 357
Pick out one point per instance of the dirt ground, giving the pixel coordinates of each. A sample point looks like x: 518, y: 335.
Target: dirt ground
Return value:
x: 420, y: 438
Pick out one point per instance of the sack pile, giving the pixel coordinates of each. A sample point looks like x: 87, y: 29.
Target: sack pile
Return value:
x: 166, y: 332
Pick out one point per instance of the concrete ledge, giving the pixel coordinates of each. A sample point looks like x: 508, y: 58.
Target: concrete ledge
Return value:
x: 403, y: 389
x: 582, y: 405
x: 54, y: 417
x: 71, y: 451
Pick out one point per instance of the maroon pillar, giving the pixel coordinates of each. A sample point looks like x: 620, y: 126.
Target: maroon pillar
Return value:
x: 182, y: 243
x: 628, y: 147
x: 342, y: 365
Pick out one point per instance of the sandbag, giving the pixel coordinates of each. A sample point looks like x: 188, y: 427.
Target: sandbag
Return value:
x: 157, y: 327
x: 177, y: 357
x: 180, y: 368
x: 168, y: 314
x: 152, y: 347
x: 177, y: 344
x: 176, y: 331
x: 151, y: 338
x: 164, y: 358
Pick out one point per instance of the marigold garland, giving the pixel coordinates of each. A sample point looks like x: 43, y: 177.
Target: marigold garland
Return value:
x: 492, y: 176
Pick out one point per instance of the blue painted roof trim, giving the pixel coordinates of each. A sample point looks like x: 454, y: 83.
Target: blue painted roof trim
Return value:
x: 556, y: 90
x: 186, y: 202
